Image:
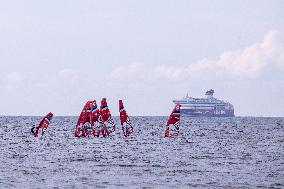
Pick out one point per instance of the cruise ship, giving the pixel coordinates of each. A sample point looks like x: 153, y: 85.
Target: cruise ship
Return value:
x: 206, y: 107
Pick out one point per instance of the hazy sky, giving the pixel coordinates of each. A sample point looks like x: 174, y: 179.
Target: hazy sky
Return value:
x: 55, y: 54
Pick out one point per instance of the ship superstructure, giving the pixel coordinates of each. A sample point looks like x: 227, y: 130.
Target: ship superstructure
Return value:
x: 207, y: 107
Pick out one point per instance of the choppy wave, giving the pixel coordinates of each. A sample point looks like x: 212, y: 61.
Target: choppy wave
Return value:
x: 209, y: 153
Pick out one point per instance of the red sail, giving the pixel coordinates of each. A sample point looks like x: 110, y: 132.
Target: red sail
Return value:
x: 172, y: 128
x: 107, y: 123
x: 95, y: 117
x: 124, y: 119
x: 89, y: 114
x: 42, y: 125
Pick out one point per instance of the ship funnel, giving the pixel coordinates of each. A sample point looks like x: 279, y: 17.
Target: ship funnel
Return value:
x: 209, y: 93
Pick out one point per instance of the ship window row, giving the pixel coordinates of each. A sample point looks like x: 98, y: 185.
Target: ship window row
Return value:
x: 194, y: 102
x: 205, y: 107
x: 202, y: 105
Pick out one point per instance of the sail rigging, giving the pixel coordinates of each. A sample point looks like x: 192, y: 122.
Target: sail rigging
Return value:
x: 125, y: 121
x: 42, y: 127
x: 87, y: 120
x: 173, y: 123
x: 107, y: 124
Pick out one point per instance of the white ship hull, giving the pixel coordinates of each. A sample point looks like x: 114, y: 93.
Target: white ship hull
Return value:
x: 205, y: 107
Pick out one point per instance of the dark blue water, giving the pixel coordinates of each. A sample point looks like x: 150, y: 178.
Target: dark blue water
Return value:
x: 209, y: 153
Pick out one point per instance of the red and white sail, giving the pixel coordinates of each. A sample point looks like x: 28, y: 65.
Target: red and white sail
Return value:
x: 44, y: 123
x: 87, y: 119
x: 105, y: 119
x: 125, y: 121
x: 172, y: 128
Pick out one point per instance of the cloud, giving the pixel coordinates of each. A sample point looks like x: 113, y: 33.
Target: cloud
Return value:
x: 134, y: 70
x: 13, y: 77
x: 169, y: 72
x: 259, y: 59
x: 69, y: 75
x: 11, y: 80
x: 250, y: 62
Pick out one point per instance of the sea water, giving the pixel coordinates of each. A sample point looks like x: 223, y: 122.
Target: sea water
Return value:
x: 240, y: 152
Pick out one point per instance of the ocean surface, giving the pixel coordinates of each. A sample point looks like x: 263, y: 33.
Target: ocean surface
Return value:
x: 241, y: 152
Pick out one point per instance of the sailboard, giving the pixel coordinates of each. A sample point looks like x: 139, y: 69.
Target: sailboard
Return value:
x: 107, y: 124
x: 88, y: 118
x: 125, y: 121
x: 173, y: 123
x: 42, y: 127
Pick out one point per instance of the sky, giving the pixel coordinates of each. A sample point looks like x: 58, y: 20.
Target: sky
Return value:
x: 57, y: 54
